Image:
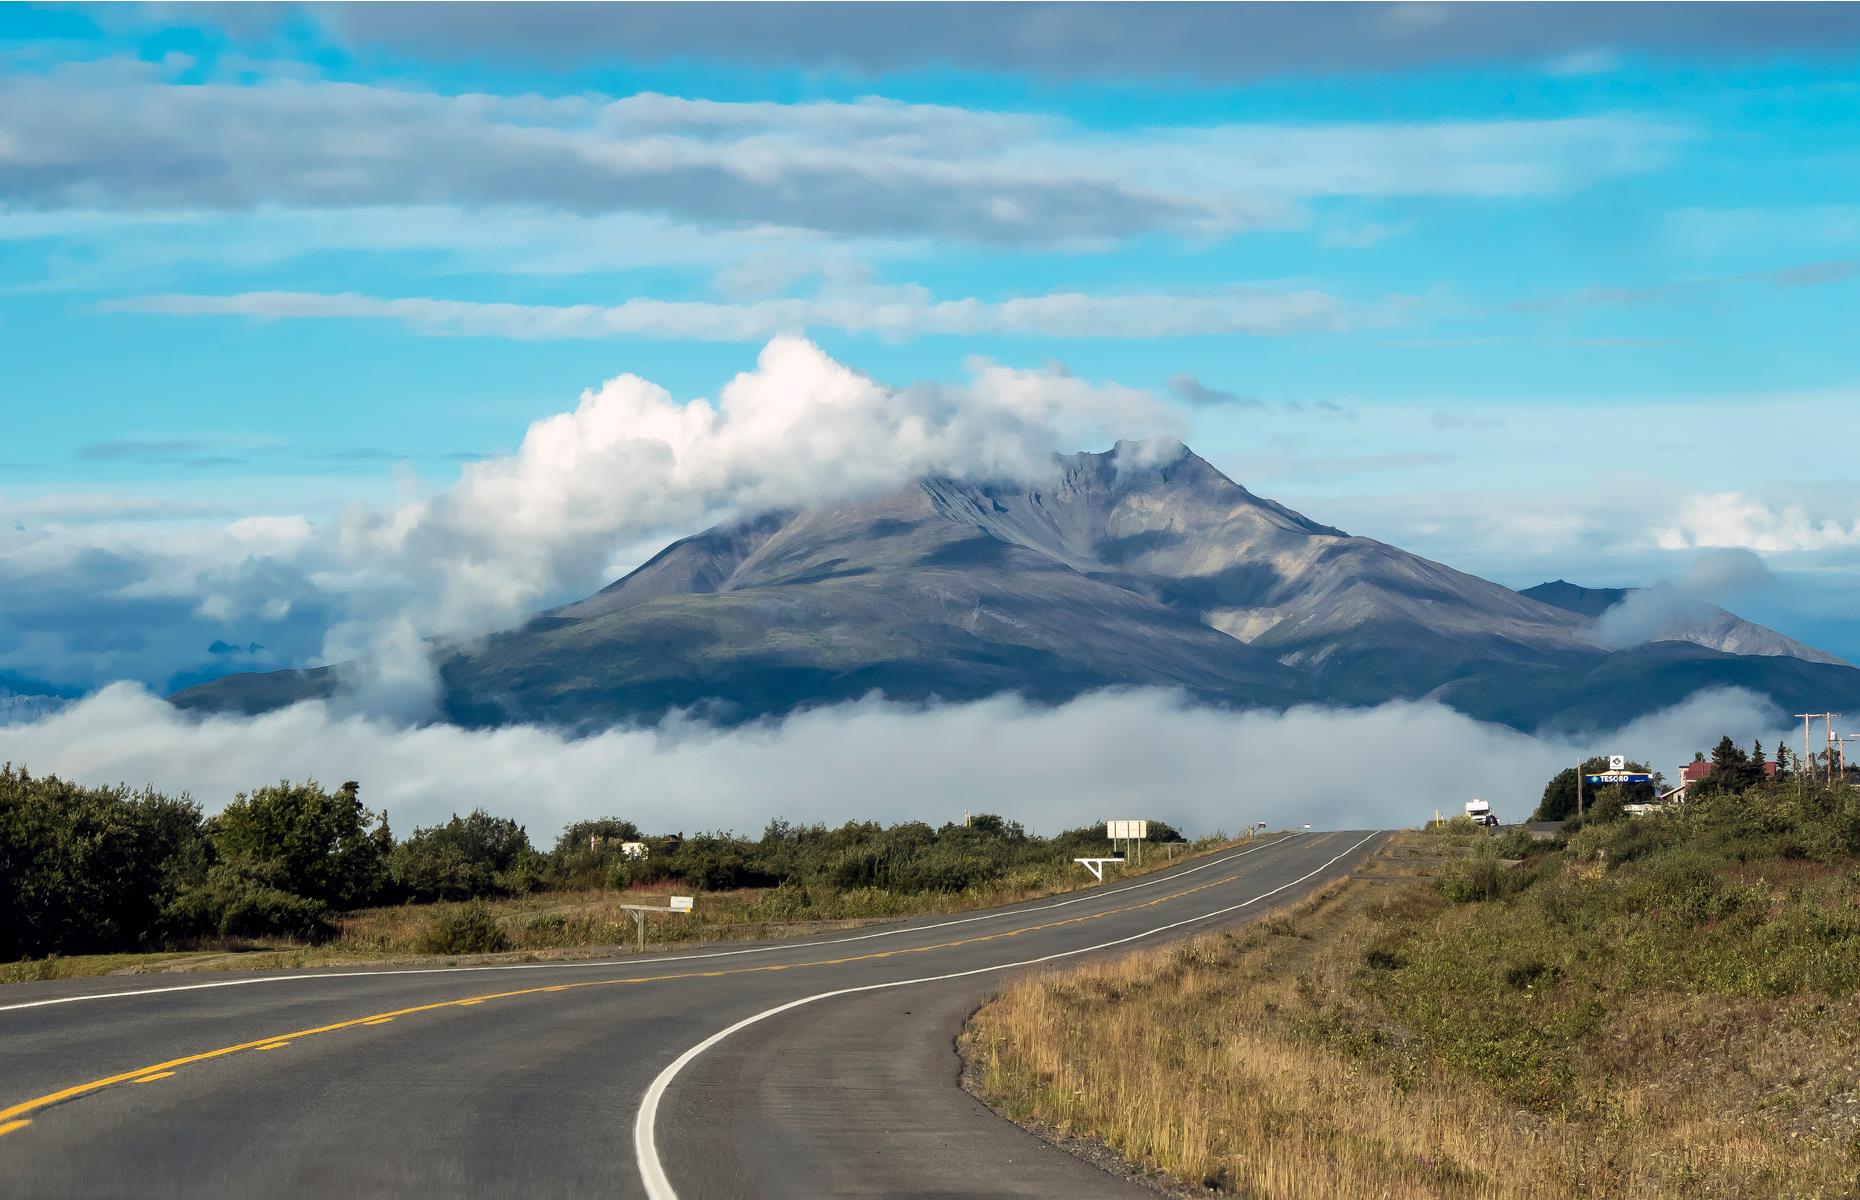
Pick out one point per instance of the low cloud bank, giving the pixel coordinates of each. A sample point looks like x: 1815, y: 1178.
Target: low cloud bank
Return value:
x: 1671, y: 607
x: 1109, y: 754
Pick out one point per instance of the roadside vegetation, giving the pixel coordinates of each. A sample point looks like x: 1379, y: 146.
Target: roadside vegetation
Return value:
x: 105, y: 879
x: 1663, y: 1005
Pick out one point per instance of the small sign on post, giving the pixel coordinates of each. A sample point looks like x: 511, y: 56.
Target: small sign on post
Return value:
x: 676, y: 904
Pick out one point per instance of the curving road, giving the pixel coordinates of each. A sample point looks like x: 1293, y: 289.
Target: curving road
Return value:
x: 809, y: 1068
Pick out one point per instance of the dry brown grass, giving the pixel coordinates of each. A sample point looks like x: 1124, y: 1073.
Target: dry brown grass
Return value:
x: 1257, y: 1062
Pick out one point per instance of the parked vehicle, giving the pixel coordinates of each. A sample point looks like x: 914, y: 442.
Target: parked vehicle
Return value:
x: 1481, y: 813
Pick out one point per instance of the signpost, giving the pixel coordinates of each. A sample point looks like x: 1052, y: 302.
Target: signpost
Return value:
x: 675, y: 904
x: 1133, y: 832
x: 1618, y: 772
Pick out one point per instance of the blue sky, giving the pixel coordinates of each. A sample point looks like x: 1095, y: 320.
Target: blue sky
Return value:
x: 1534, y: 291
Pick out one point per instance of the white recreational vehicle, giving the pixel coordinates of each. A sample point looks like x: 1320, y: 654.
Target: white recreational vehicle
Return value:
x: 1481, y: 813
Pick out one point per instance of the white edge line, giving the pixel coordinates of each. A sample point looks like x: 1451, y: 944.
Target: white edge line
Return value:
x: 645, y: 1144
x: 303, y: 977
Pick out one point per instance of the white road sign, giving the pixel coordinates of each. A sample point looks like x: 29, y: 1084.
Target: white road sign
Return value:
x: 1119, y: 831
x: 681, y: 904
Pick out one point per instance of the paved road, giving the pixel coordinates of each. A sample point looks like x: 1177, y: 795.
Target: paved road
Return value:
x: 822, y: 1067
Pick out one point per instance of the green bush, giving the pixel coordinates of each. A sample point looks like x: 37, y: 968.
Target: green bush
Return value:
x: 302, y: 840
x: 87, y: 869
x: 587, y: 852
x: 467, y: 858
x: 234, y: 901
x: 1476, y: 881
x: 465, y: 929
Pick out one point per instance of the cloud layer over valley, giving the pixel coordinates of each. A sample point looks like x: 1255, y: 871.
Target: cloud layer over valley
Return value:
x: 1109, y: 754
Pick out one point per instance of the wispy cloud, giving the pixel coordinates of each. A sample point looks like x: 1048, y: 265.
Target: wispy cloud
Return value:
x: 1199, y: 395
x: 885, y: 311
x: 1808, y: 274
x: 115, y: 136
x: 1207, y: 41
x: 182, y: 452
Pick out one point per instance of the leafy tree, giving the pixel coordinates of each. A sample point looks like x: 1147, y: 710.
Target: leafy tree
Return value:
x: 91, y: 869
x: 302, y: 840
x: 1732, y: 771
x: 467, y: 857
x: 284, y: 857
x: 720, y: 861
x: 587, y: 851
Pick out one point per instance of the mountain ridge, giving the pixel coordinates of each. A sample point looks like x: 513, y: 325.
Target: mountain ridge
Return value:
x: 1133, y: 567
x: 1682, y: 619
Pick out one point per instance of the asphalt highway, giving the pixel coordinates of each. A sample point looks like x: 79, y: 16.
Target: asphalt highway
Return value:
x: 799, y: 1068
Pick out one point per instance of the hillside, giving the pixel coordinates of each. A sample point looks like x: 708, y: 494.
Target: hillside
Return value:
x: 1694, y: 621
x: 1125, y: 568
x: 1486, y: 1017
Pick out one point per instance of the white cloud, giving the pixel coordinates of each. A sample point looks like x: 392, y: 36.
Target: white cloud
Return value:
x: 1668, y: 607
x: 1104, y: 755
x: 1733, y: 519
x: 630, y: 461
x: 98, y: 596
x: 886, y: 311
x: 115, y: 136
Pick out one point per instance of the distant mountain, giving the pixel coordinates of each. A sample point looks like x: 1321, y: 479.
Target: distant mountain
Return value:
x: 1695, y: 621
x: 1126, y: 568
x: 22, y: 702
x: 1587, y: 602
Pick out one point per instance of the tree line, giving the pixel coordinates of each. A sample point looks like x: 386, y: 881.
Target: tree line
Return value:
x: 95, y: 869
x: 1734, y: 771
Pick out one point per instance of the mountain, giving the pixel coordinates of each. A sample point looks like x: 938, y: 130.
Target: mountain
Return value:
x: 23, y: 700
x: 1133, y: 567
x: 1673, y: 618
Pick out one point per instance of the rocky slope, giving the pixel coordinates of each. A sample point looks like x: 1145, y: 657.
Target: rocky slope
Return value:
x: 1126, y: 568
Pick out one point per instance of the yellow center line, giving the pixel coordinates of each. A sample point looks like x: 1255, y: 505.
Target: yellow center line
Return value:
x: 8, y: 1123
x: 155, y: 1076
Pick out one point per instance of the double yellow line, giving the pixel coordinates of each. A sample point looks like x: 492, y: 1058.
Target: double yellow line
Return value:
x: 19, y: 1115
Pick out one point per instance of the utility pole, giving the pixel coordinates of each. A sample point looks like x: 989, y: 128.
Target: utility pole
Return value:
x: 1579, y: 787
x: 1808, y: 757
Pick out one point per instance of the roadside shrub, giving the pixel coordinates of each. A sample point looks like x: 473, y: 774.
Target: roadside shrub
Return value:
x: 302, y: 840
x: 1479, y: 880
x: 90, y: 869
x: 232, y: 903
x: 466, y: 929
x: 467, y: 858
x: 587, y: 851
